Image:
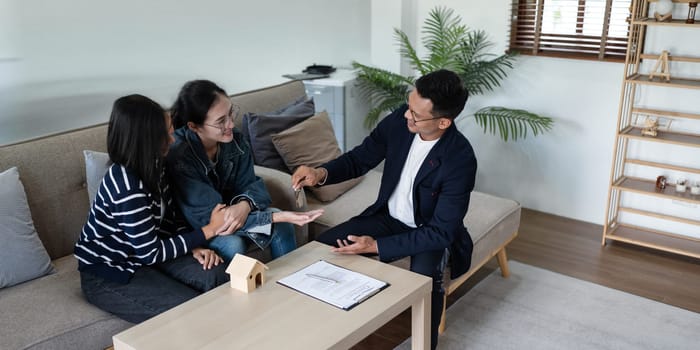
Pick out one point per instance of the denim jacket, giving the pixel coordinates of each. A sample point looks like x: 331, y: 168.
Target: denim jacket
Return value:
x: 200, y: 184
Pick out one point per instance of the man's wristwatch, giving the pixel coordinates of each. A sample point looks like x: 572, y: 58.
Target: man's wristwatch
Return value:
x: 325, y: 177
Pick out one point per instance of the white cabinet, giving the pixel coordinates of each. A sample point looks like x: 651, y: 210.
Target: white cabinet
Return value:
x: 339, y: 96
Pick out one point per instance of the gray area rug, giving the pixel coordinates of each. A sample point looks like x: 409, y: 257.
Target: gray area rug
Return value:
x: 540, y: 309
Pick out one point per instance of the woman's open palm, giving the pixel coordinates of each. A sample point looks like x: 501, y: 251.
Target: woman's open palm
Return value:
x: 297, y: 218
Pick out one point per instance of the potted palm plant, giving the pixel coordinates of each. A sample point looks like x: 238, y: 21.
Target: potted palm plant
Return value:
x: 451, y: 45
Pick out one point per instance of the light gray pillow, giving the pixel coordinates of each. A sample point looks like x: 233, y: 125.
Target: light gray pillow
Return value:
x: 96, y: 165
x: 23, y: 256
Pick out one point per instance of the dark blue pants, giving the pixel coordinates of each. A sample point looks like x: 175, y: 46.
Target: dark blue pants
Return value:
x: 430, y: 263
x: 153, y: 289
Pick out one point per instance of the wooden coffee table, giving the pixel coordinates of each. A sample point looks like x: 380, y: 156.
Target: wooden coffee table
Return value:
x: 276, y: 317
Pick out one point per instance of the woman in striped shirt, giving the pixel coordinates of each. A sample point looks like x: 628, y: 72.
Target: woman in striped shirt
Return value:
x: 134, y: 252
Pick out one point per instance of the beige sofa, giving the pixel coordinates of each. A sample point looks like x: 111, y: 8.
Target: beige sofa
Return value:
x: 50, y: 312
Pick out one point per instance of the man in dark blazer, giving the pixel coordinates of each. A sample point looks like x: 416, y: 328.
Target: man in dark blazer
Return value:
x: 428, y: 177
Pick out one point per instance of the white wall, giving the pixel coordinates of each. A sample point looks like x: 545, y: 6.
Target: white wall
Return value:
x: 74, y: 57
x: 386, y: 15
x: 565, y: 172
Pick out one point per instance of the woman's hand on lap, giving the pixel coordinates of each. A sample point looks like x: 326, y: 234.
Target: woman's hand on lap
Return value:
x: 207, y: 257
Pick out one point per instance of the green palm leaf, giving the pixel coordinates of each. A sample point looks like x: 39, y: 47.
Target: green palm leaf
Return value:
x: 478, y: 72
x: 443, y: 35
x: 407, y: 51
x: 511, y: 123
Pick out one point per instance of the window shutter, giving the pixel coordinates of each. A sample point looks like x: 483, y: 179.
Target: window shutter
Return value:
x: 585, y: 29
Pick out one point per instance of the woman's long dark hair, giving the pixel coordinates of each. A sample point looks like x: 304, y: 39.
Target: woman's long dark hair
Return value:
x: 193, y: 102
x: 137, y: 137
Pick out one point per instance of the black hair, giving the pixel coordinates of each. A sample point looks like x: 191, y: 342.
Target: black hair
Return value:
x: 445, y: 90
x: 193, y: 102
x: 137, y: 136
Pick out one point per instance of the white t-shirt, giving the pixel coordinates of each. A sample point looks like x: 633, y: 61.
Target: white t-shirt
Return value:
x: 401, y: 201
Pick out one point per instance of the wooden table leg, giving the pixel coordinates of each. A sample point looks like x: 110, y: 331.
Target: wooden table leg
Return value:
x: 420, y: 323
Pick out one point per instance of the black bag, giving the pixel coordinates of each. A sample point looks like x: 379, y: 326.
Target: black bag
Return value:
x: 319, y: 69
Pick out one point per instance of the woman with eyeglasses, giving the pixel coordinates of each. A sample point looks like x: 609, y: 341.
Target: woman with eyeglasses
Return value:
x: 133, y: 252
x: 211, y: 163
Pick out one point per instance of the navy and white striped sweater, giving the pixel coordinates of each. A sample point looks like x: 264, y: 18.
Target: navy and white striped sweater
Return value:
x: 124, y: 230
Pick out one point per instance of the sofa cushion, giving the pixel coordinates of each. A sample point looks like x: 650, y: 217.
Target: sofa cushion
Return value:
x: 269, y: 98
x: 312, y: 142
x: 53, y: 175
x: 51, y: 313
x: 486, y: 212
x: 96, y: 165
x: 302, y: 105
x: 23, y: 256
x: 261, y: 127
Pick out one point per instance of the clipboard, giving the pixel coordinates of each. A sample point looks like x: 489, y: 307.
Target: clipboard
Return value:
x: 333, y: 284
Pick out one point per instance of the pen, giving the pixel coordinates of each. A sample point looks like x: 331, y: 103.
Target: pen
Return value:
x: 322, y: 278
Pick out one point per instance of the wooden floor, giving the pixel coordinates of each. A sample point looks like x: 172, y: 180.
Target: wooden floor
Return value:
x: 574, y: 248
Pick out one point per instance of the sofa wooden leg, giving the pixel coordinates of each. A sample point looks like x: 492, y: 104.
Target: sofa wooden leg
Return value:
x: 503, y: 262
x: 441, y: 328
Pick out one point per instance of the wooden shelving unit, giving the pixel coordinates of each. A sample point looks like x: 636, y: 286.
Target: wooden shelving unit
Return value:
x: 625, y: 182
x: 674, y: 22
x: 635, y: 132
x: 655, y: 239
x: 643, y: 79
x: 647, y: 187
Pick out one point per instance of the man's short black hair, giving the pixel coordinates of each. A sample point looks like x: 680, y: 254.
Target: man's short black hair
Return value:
x: 445, y: 90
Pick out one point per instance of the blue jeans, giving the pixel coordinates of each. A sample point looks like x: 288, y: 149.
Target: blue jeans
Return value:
x: 281, y: 241
x: 152, y: 289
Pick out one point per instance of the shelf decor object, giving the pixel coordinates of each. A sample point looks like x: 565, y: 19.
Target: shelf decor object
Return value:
x: 660, y: 182
x: 695, y: 189
x: 664, y: 10
x: 651, y: 127
x: 680, y: 185
x: 692, y: 6
x: 661, y: 68
x: 643, y: 207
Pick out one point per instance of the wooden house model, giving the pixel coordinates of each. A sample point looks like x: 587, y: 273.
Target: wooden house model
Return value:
x: 246, y: 273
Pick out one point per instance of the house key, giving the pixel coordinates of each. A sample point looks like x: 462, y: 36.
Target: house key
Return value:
x: 297, y: 196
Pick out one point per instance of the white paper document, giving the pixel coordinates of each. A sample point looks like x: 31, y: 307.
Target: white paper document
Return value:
x: 333, y: 284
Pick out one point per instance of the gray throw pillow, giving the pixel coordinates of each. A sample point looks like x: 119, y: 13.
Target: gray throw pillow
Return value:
x: 96, y: 165
x: 261, y: 127
x: 302, y: 106
x: 23, y: 256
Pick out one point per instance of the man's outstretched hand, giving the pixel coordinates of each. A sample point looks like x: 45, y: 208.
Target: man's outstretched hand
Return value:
x: 356, y: 245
